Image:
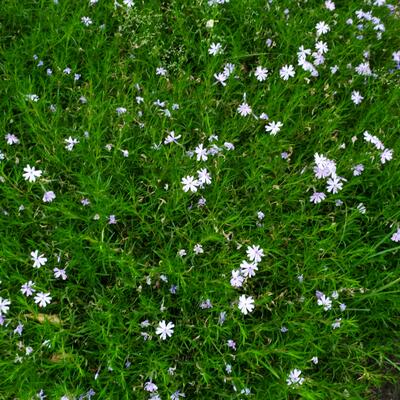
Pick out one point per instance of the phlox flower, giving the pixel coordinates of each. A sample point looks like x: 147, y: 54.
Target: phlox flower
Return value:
x: 246, y: 304
x: 286, y: 72
x: 38, y: 260
x: 248, y: 269
x: 42, y: 299
x: 31, y: 173
x: 165, y: 330
x: 215, y: 49
x: 244, y: 110
x: 48, y: 197
x: 325, y: 301
x: 4, y: 305
x: 255, y: 253
x: 396, y: 236
x: 237, y: 279
x: 294, y: 378
x: 273, y: 127
x: 261, y: 73
x: 189, y: 183
x: 317, y: 197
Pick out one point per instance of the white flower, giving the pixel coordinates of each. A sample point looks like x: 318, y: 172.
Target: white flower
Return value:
x: 86, y: 21
x: 237, y: 279
x: 330, y: 5
x: 32, y: 97
x: 246, y: 304
x: 189, y: 183
x: 386, y: 155
x: 120, y: 110
x: 221, y: 78
x: 161, y: 71
x: 215, y: 49
x: 325, y: 301
x: 60, y: 273
x: 31, y: 173
x: 356, y: 97
x: 11, y: 139
x: 361, y: 208
x: 273, y: 127
x: 255, y: 253
x: 70, y: 143
x: 261, y: 74
x: 201, y: 153
x: 4, y: 305
x: 42, y: 299
x: 204, y: 176
x: 315, y: 360
x: 164, y: 329
x: 336, y: 324
x: 321, y: 47
x: 150, y: 387
x: 27, y: 288
x: 358, y: 169
x: 48, y: 197
x: 334, y: 185
x: 172, y: 138
x: 198, y: 249
x: 38, y: 260
x: 317, y: 197
x: 286, y: 72
x: 322, y: 28
x: 248, y: 268
x: 244, y: 110
x: 294, y: 377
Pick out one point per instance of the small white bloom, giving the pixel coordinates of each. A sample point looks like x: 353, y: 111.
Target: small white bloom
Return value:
x: 204, y: 176
x: 244, y: 110
x: 287, y: 72
x: 261, y: 73
x: 325, y: 301
x: 246, y: 304
x: 356, y: 97
x: 215, y: 49
x: 4, y: 305
x: 48, y: 197
x: 60, y: 273
x: 255, y: 253
x: 31, y: 173
x: 86, y: 21
x: 189, y: 183
x: 42, y: 299
x: 198, y: 249
x: 294, y: 378
x: 165, y: 330
x: 70, y: 143
x: 248, y: 269
x: 11, y: 139
x: 273, y: 127
x: 38, y: 260
x: 161, y: 71
x: 236, y: 279
x: 386, y: 155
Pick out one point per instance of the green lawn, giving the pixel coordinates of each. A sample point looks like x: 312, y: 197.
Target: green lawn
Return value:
x: 199, y: 200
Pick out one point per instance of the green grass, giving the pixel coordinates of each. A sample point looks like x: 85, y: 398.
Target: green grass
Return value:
x: 116, y: 271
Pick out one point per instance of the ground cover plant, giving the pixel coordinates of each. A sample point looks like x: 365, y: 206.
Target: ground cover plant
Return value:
x: 199, y: 199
